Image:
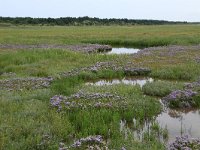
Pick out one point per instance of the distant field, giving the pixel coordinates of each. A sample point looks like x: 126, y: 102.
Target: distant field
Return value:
x: 143, y: 36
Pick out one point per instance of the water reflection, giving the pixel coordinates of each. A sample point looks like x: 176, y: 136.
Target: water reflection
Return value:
x: 130, y: 81
x: 180, y: 122
x: 123, y: 50
x: 175, y: 122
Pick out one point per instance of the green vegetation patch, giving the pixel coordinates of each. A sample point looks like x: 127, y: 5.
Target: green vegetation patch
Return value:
x: 161, y: 88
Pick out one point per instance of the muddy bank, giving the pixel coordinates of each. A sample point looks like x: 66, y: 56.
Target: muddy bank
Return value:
x: 86, y: 48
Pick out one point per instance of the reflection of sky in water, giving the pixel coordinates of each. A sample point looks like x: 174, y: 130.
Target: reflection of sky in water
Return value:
x: 178, y: 122
x: 132, y: 81
x: 123, y: 51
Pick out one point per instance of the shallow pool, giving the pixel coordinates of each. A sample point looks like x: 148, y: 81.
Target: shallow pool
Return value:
x: 180, y: 122
x: 141, y: 81
x: 123, y: 50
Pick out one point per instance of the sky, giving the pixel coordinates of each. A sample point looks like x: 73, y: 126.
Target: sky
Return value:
x: 172, y: 10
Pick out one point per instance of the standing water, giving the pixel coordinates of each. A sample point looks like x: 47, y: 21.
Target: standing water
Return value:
x: 141, y: 81
x: 180, y: 122
x: 177, y: 123
x: 123, y: 50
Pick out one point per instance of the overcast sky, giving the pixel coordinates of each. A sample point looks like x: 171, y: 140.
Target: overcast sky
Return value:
x: 174, y: 10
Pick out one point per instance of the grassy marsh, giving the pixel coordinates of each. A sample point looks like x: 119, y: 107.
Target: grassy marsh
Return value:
x: 144, y: 36
x: 28, y: 122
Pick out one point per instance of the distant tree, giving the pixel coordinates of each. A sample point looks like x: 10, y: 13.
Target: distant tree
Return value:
x: 87, y: 21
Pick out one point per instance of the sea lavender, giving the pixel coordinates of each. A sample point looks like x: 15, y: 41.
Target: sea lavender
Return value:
x: 25, y: 83
x: 180, y: 98
x: 56, y: 101
x: 83, y: 100
x: 90, y: 140
x: 184, y: 143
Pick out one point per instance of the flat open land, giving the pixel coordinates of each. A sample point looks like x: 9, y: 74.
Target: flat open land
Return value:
x: 57, y: 91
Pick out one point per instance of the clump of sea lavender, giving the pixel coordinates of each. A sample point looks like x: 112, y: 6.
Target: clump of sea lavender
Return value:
x: 180, y: 99
x: 94, y: 68
x: 194, y: 85
x: 128, y: 69
x: 90, y: 139
x: 83, y: 100
x: 184, y: 143
x: 8, y: 74
x: 56, y: 101
x: 198, y: 59
x: 25, y: 83
x: 85, y: 95
x: 88, y: 142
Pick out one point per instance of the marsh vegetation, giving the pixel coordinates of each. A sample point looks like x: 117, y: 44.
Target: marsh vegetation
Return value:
x: 55, y: 98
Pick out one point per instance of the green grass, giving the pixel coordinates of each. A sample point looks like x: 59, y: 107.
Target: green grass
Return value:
x: 179, y: 66
x: 115, y: 35
x: 25, y: 119
x: 41, y: 63
x: 186, y: 71
x: 161, y: 88
x: 66, y: 86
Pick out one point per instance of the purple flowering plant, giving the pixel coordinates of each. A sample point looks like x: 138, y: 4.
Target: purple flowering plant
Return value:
x: 185, y: 143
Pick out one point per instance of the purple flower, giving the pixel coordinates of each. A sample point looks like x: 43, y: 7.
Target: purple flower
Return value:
x: 88, y: 140
x: 181, y: 97
x: 184, y: 143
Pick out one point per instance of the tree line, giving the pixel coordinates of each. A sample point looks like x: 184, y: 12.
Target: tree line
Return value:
x: 87, y: 21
